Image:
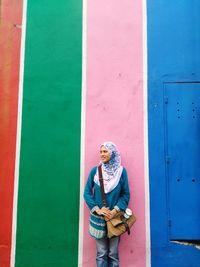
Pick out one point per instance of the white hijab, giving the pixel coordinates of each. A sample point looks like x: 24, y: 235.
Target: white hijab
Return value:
x: 111, y: 170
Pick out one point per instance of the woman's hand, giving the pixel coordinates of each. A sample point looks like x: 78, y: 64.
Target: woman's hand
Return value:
x: 113, y: 213
x: 108, y: 214
x: 104, y: 212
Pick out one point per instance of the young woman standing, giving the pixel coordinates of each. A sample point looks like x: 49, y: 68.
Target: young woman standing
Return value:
x: 116, y: 188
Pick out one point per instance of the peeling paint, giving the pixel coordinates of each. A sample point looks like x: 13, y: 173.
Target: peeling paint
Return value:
x: 17, y: 26
x: 195, y: 244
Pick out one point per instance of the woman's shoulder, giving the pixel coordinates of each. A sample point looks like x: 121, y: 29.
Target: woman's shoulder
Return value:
x: 124, y: 173
x: 93, y: 170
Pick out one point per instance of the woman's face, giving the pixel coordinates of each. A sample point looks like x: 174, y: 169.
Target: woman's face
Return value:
x: 104, y: 154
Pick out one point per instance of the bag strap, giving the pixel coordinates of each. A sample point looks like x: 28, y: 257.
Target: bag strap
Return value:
x: 103, y: 195
x: 125, y: 224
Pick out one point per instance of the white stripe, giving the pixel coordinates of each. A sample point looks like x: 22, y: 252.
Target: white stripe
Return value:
x: 146, y: 157
x: 18, y: 137
x: 83, y: 116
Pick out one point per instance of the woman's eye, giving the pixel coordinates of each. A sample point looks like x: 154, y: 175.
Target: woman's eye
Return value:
x: 104, y: 152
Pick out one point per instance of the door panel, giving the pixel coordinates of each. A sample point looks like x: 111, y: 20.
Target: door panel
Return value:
x: 182, y: 140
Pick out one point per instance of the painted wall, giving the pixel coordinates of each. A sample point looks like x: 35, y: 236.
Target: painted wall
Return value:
x: 114, y: 108
x: 74, y: 75
x: 10, y: 40
x: 47, y: 166
x: 48, y: 140
x: 173, y: 63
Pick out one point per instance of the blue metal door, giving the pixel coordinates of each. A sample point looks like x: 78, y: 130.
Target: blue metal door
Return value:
x: 182, y: 154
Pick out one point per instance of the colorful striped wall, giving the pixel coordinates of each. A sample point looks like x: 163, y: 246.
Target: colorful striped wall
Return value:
x: 74, y: 74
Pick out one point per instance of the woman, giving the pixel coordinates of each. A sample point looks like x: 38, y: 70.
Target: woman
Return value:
x: 117, y: 197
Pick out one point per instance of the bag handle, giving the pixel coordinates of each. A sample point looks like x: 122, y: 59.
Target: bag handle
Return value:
x: 103, y: 195
x: 125, y: 224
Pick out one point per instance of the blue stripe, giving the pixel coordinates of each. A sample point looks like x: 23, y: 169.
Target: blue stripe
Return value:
x: 173, y: 56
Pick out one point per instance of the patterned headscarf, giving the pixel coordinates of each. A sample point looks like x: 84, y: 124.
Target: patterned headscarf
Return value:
x: 112, y: 169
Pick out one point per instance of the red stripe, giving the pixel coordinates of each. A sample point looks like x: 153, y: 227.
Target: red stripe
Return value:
x: 10, y: 37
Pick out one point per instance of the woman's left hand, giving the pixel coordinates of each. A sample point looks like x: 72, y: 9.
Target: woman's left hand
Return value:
x: 111, y: 215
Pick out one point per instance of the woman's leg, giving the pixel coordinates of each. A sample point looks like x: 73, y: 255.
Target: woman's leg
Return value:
x: 113, y: 254
x: 102, y: 252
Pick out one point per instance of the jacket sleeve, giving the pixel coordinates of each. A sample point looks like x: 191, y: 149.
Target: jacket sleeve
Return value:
x: 88, y: 192
x: 123, y: 200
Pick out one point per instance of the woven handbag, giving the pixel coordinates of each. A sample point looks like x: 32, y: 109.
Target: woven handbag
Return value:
x: 97, y: 226
x: 118, y: 224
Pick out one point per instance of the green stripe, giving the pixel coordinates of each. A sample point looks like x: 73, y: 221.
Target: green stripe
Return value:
x: 48, y: 197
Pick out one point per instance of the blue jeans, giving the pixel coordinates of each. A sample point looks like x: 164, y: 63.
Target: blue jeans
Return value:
x: 107, y: 252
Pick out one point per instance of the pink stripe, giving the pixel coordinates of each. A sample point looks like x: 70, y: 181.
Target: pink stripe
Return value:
x: 114, y: 108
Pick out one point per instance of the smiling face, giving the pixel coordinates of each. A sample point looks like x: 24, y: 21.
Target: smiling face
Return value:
x: 104, y: 154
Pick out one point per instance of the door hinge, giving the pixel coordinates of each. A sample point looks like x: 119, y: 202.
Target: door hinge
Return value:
x: 169, y: 223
